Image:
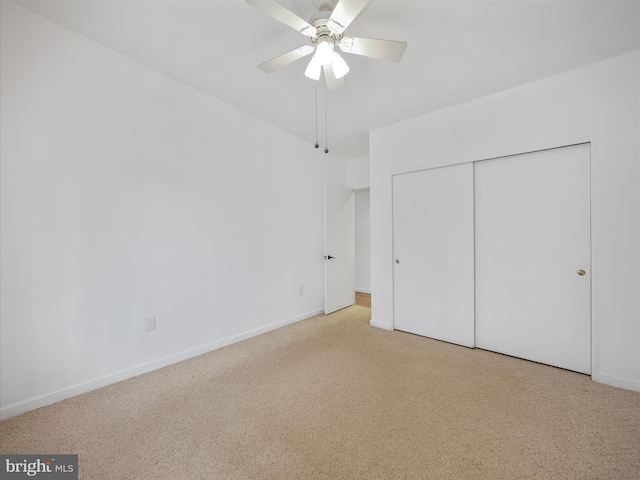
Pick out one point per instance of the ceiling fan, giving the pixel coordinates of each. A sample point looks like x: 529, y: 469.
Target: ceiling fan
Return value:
x: 326, y: 32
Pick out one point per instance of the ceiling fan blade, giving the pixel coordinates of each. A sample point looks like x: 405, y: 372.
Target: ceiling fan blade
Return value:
x: 390, y: 50
x: 344, y: 13
x: 284, y: 15
x: 285, y: 59
x: 333, y: 83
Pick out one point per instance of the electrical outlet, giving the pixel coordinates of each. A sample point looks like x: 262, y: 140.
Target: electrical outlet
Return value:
x: 150, y: 324
x: 300, y: 290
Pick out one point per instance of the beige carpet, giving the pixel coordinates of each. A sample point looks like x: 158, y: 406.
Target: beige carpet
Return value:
x: 333, y: 398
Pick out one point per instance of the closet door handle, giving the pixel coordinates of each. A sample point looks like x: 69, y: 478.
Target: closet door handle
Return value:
x: 581, y: 272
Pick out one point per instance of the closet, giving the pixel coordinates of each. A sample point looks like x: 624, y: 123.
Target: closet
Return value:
x: 496, y: 254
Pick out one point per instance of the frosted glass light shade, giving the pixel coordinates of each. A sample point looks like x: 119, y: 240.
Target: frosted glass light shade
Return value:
x: 340, y: 67
x: 324, y: 53
x: 313, y: 69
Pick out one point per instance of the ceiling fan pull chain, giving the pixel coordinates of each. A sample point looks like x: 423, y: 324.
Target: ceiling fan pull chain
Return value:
x: 316, y: 144
x: 326, y: 128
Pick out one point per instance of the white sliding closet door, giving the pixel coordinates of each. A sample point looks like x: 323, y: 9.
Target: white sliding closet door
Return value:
x: 533, y: 256
x: 433, y: 247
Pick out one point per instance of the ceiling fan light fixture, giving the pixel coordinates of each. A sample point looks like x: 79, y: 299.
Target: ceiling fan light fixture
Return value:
x: 324, y: 53
x: 340, y: 67
x: 313, y: 69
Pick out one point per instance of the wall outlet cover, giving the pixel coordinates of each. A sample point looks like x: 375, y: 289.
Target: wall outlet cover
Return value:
x: 150, y: 324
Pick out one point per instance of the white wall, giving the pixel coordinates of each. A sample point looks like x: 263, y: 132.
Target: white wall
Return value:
x: 363, y: 240
x: 598, y: 103
x: 127, y: 194
x: 358, y: 172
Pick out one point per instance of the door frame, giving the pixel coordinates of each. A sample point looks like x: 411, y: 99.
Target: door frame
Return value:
x: 511, y: 152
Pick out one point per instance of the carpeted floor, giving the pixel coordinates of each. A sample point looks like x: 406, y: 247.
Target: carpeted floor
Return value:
x: 333, y: 398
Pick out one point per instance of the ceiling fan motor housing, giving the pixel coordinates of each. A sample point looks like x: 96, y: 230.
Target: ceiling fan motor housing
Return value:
x: 324, y: 34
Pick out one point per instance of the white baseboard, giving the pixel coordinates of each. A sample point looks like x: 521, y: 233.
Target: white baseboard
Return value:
x: 363, y: 290
x: 383, y: 325
x: 613, y: 381
x: 54, y: 397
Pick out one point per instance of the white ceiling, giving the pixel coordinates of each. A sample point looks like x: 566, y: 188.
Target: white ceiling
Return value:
x: 458, y: 51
